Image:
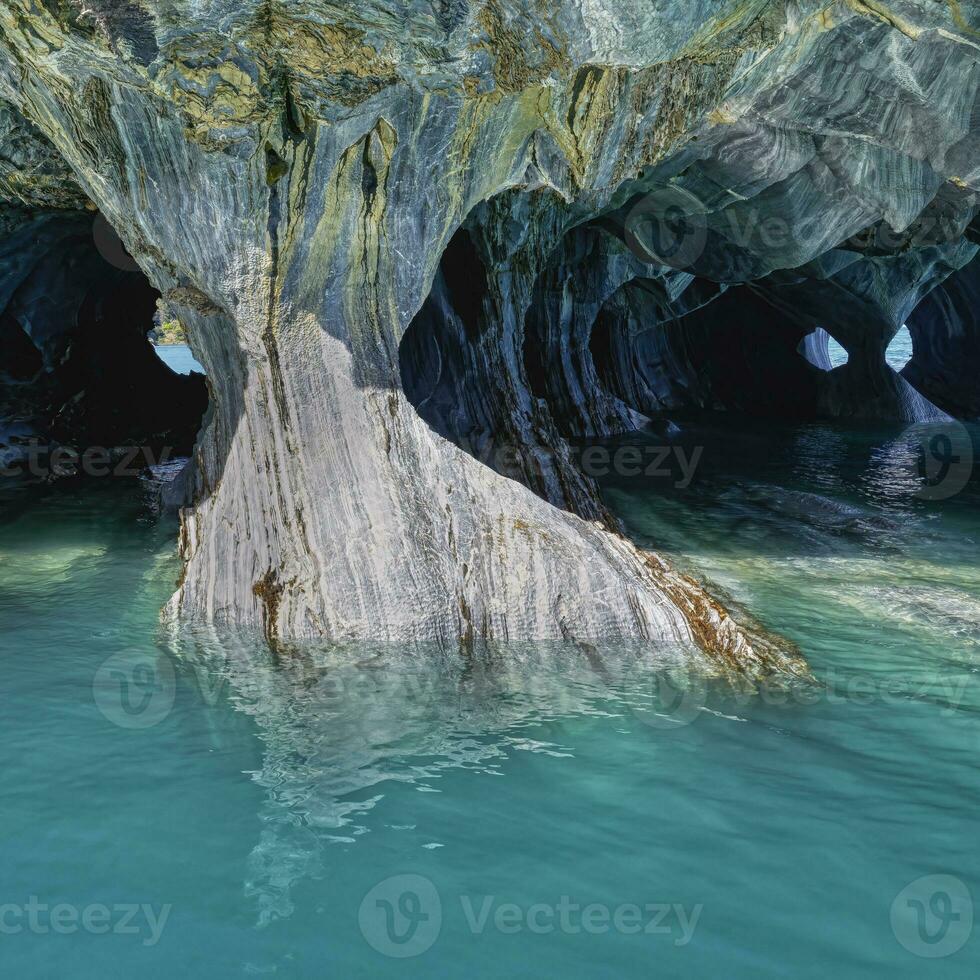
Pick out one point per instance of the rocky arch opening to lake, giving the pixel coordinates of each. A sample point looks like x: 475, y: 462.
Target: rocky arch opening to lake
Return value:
x: 471, y: 367
x: 821, y: 350
x: 295, y: 196
x: 513, y: 361
x: 811, y: 343
x: 83, y: 392
x: 900, y: 350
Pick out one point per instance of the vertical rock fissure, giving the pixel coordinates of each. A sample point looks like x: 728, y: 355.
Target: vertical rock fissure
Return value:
x: 294, y: 172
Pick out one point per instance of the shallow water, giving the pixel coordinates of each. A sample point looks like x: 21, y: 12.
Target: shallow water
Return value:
x: 266, y: 810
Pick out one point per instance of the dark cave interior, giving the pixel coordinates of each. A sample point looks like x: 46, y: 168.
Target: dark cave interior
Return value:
x: 78, y: 370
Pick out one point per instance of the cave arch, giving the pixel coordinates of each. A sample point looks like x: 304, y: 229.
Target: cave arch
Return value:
x: 823, y: 351
x: 600, y: 343
x: 75, y: 312
x: 899, y: 351
x: 945, y: 334
x: 464, y: 359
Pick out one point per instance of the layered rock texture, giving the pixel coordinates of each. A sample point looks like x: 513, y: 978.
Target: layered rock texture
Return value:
x: 406, y: 236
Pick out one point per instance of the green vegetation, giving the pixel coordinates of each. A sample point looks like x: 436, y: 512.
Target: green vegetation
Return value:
x: 169, y: 332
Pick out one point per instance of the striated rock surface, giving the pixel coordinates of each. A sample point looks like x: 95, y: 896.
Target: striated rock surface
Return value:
x: 945, y: 331
x: 403, y: 232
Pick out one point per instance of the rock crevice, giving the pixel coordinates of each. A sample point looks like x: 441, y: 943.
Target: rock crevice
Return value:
x: 399, y: 236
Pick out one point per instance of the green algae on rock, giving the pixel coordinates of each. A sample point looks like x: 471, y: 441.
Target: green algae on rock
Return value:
x: 368, y: 221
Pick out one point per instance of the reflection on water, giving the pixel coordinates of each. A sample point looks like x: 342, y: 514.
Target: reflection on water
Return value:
x: 804, y: 489
x: 264, y: 795
x: 338, y: 724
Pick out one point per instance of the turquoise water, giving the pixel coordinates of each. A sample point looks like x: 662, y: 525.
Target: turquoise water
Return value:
x: 179, y: 358
x: 267, y: 810
x: 898, y: 354
x: 899, y: 351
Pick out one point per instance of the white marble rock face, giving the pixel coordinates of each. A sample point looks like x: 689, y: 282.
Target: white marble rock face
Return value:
x: 290, y: 174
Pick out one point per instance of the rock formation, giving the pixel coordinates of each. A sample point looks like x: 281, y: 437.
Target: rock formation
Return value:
x: 408, y: 234
x: 945, y: 329
x: 77, y: 373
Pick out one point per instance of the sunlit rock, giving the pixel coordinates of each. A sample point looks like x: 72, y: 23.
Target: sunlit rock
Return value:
x: 384, y: 229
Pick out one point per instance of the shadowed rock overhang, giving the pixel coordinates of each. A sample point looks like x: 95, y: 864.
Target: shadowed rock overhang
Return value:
x: 402, y: 234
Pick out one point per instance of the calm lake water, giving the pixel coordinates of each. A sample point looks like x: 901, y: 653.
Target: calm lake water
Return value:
x: 898, y: 354
x: 203, y: 809
x: 179, y: 358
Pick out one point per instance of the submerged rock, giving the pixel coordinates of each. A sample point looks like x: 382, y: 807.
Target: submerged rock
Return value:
x: 394, y: 235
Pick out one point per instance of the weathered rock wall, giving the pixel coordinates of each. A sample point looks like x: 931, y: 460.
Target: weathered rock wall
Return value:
x: 76, y: 371
x: 945, y: 330
x: 290, y: 176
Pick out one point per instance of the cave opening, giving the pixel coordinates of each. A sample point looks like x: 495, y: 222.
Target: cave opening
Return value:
x: 435, y: 354
x: 820, y: 349
x: 944, y: 336
x: 594, y: 346
x: 82, y: 390
x: 899, y: 350
x: 725, y: 349
x: 838, y: 355
x: 467, y: 371
x: 789, y: 347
